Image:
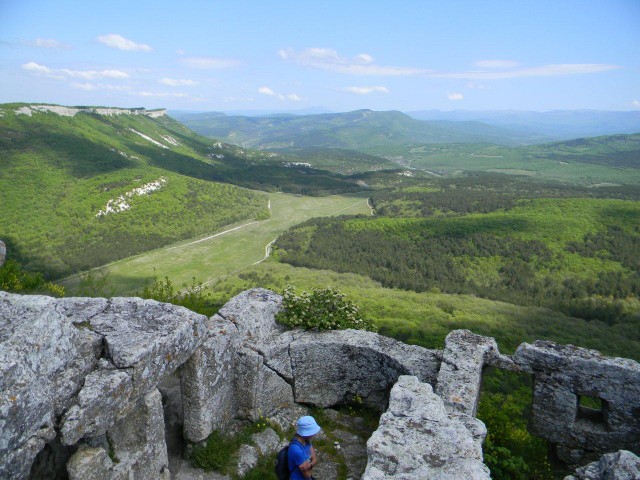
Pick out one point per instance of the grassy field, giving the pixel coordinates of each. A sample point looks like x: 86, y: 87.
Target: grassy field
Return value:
x: 228, y: 251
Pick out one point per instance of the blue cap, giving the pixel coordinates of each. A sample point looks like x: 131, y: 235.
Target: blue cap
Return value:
x: 307, y: 426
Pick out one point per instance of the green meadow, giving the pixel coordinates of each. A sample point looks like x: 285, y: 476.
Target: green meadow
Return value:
x: 223, y: 252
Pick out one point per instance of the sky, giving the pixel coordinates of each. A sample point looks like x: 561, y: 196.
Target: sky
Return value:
x: 340, y: 56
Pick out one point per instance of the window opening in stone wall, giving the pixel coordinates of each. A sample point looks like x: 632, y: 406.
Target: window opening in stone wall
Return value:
x: 592, y: 409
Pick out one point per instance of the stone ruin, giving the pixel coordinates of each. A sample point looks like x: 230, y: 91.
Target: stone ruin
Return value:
x: 94, y: 388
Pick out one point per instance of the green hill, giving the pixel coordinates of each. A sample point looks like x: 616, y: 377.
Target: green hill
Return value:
x: 584, y: 161
x: 352, y: 130
x: 575, y: 255
x: 79, y: 188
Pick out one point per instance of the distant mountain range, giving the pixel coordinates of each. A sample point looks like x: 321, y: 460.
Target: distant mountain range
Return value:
x: 351, y: 130
x: 555, y: 125
x: 362, y: 129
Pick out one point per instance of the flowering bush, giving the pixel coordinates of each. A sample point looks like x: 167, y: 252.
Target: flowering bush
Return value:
x: 322, y: 309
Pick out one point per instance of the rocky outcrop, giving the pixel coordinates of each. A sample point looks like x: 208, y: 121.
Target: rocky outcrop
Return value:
x: 73, y: 111
x: 84, y: 381
x: 563, y: 377
x: 3, y: 252
x: 460, y: 375
x: 418, y: 438
x: 317, y: 362
x: 621, y: 465
x: 82, y: 365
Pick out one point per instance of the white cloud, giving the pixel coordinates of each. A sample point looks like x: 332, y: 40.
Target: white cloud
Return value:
x: 238, y: 99
x: 366, y: 90
x: 496, y: 64
x: 636, y: 103
x: 363, y: 64
x: 175, y: 82
x: 210, y: 63
x: 47, y: 43
x: 329, y: 59
x: 266, y: 91
x: 100, y: 86
x: 455, y: 96
x: 66, y: 73
x: 114, y: 40
x: 94, y: 74
x: 294, y: 97
x: 554, y: 70
x: 36, y: 67
x: 365, y: 58
x: 163, y: 94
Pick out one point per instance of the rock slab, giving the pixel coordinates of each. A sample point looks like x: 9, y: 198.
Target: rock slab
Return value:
x: 418, y: 438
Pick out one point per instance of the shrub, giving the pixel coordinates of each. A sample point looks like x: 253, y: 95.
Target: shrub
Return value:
x: 194, y: 296
x: 14, y: 279
x: 322, y: 309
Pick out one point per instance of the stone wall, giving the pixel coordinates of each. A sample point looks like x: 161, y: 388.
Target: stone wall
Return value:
x: 84, y: 382
x: 563, y: 377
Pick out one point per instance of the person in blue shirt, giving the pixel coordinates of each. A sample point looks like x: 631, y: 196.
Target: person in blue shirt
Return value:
x: 302, y: 456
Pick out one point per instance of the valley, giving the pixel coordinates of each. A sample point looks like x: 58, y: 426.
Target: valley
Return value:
x: 426, y: 227
x: 213, y: 257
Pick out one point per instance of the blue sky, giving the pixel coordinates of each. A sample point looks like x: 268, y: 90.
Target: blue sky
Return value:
x: 341, y: 55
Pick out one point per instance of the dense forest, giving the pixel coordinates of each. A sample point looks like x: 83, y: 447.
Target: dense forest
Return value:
x: 570, y: 249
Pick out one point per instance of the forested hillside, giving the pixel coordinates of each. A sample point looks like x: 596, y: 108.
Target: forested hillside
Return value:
x: 351, y: 130
x: 572, y: 250
x: 365, y: 140
x: 80, y: 191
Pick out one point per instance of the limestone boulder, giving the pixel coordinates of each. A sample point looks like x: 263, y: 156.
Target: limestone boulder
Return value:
x: 460, y: 375
x: 334, y: 367
x: 208, y: 379
x: 418, y: 438
x: 563, y: 374
x: 151, y: 338
x: 261, y: 391
x: 253, y: 313
x: 44, y: 359
x: 104, y: 398
x: 621, y: 465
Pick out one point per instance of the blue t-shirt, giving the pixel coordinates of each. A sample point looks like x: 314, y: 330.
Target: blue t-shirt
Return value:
x: 298, y: 454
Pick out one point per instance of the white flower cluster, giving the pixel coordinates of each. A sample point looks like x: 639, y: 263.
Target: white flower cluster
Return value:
x: 120, y: 204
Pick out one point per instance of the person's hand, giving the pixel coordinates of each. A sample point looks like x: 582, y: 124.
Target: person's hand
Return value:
x: 306, y: 466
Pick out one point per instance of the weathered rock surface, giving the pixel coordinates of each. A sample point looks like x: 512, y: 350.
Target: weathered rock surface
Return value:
x: 319, y: 361
x: 73, y: 111
x: 621, y: 465
x: 460, y: 375
x: 563, y: 374
x: 209, y: 378
x: 81, y: 365
x: 43, y: 362
x: 79, y: 377
x: 253, y: 313
x: 3, y: 252
x: 417, y: 438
